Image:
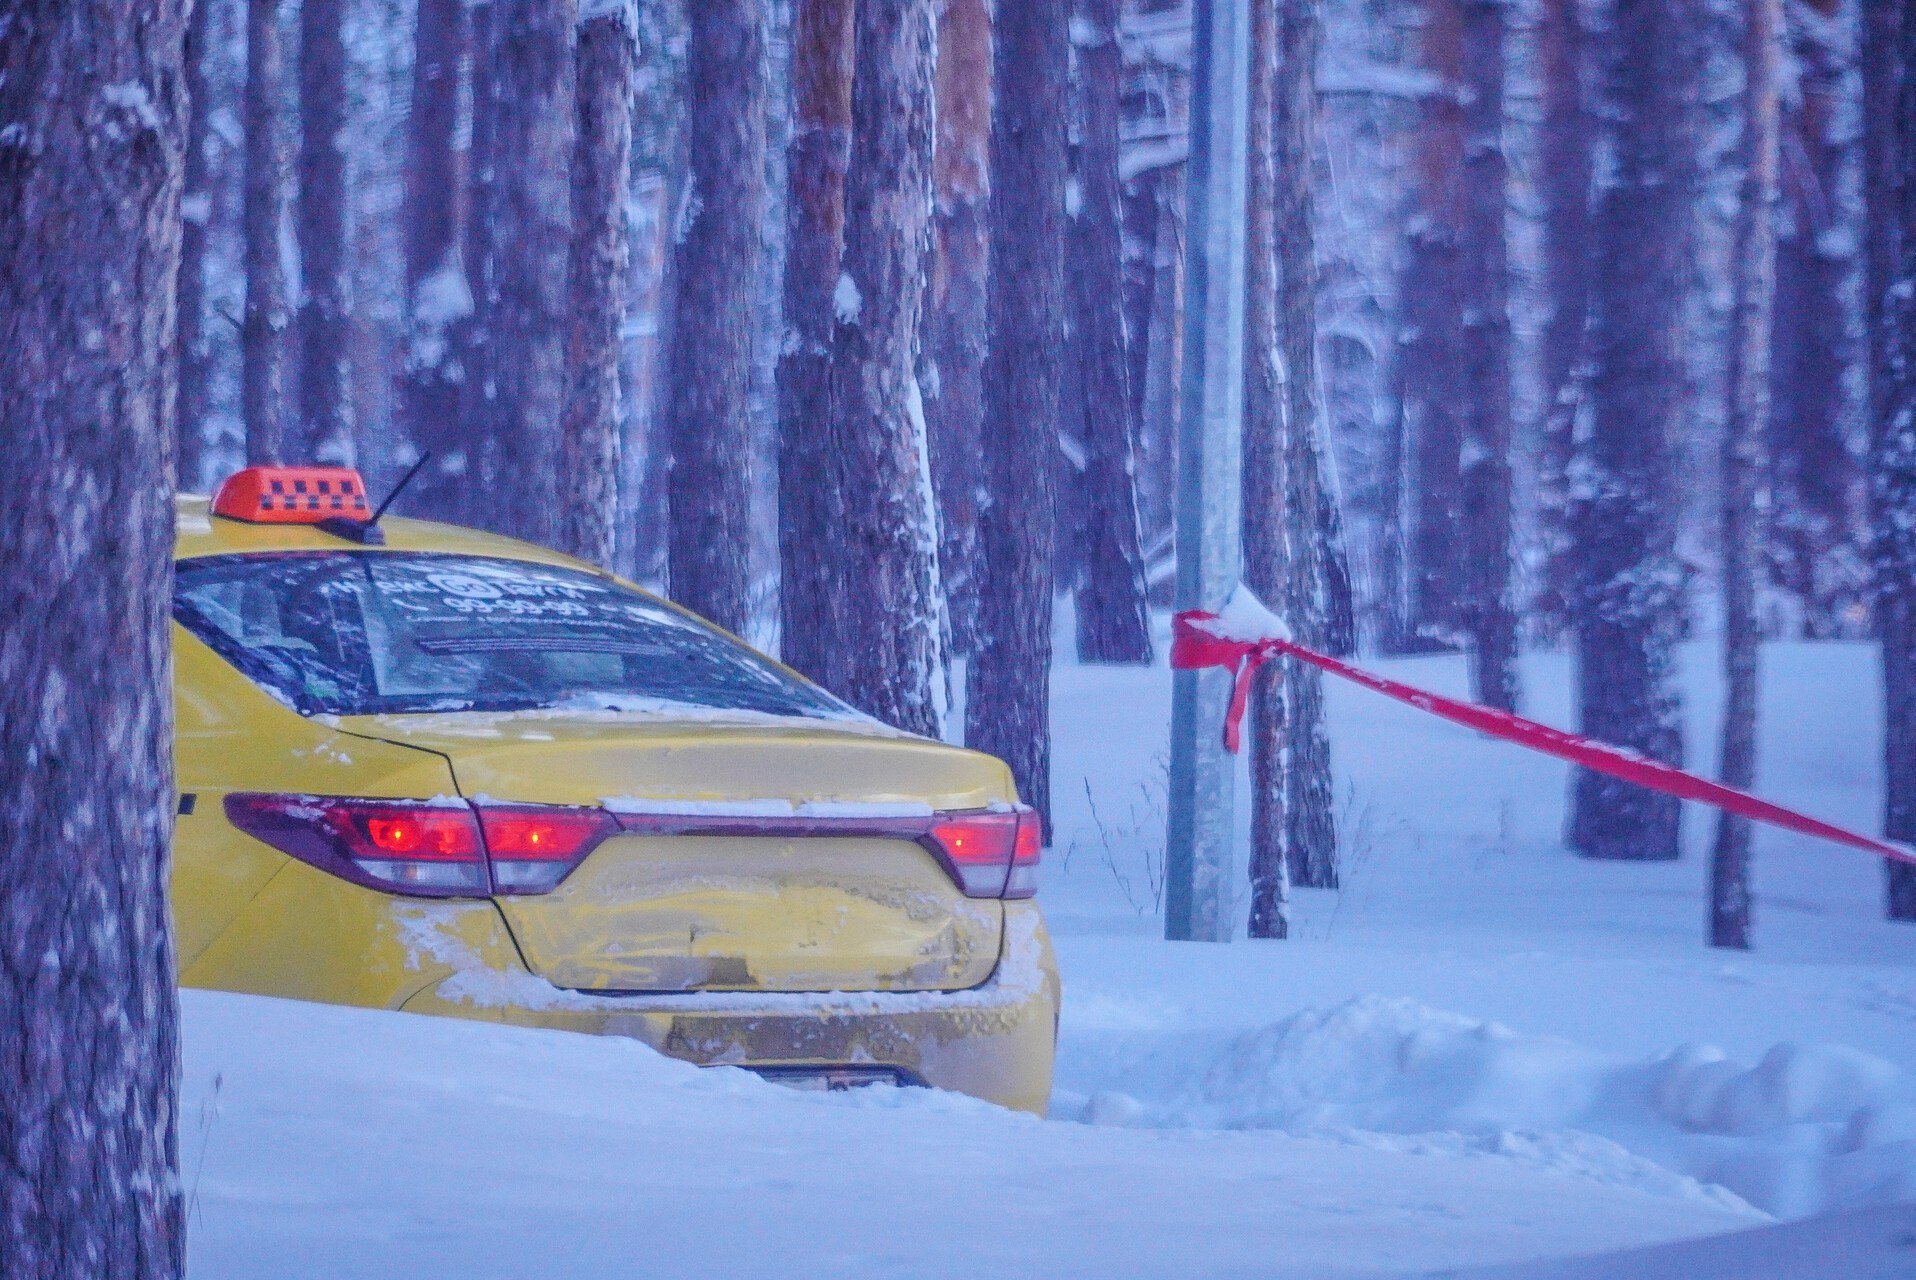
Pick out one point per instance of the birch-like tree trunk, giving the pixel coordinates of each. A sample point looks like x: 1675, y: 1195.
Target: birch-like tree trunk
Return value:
x: 1008, y: 681
x: 601, y: 181
x: 1486, y: 543
x: 439, y: 293
x: 955, y: 322
x: 890, y: 659
x: 716, y: 314
x: 92, y: 111
x: 269, y: 179
x: 1627, y: 602
x: 1267, y: 566
x: 1754, y: 264
x: 325, y: 237
x: 526, y: 235
x: 196, y: 212
x: 1113, y: 620
x: 1563, y: 179
x: 1317, y: 595
x: 823, y: 54
x: 1889, y: 68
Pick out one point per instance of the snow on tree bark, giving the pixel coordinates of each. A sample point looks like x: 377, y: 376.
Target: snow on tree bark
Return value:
x: 263, y: 328
x: 955, y: 321
x: 1113, y: 620
x: 716, y: 313
x: 439, y: 295
x: 1744, y: 502
x: 1267, y: 566
x: 1890, y: 120
x: 1008, y: 680
x: 1563, y: 178
x: 92, y: 111
x: 601, y: 179
x: 1626, y: 602
x: 823, y: 55
x: 525, y: 237
x: 325, y: 237
x: 196, y: 210
x: 889, y: 652
x: 1316, y: 599
x: 1486, y: 541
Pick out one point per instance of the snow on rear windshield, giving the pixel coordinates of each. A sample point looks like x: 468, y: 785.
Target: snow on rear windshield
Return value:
x: 357, y: 633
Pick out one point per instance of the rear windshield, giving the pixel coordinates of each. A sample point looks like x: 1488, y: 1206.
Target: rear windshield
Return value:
x: 357, y: 633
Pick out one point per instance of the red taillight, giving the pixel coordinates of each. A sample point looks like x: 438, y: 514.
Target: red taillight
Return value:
x: 995, y: 854
x: 534, y: 847
x: 434, y: 849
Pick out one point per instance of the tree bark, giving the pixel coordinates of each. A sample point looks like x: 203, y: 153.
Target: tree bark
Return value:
x: 955, y: 323
x: 890, y: 659
x: 325, y: 237
x: 1743, y: 498
x: 1486, y: 541
x: 525, y: 238
x: 1627, y: 602
x: 1889, y: 69
x: 92, y: 111
x: 1317, y: 596
x: 1811, y: 540
x: 823, y: 55
x: 438, y: 292
x: 268, y: 183
x: 1007, y: 705
x: 717, y: 315
x: 601, y: 178
x: 196, y: 211
x: 1113, y: 620
x: 1164, y: 359
x: 1563, y: 190
x: 1267, y: 560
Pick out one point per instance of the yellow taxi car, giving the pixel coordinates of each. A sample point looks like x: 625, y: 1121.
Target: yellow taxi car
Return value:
x: 431, y: 769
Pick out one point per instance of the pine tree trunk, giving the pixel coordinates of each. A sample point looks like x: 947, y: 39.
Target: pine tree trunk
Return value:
x: 1267, y: 566
x: 1317, y: 598
x: 1811, y: 539
x: 438, y: 292
x: 1007, y: 706
x: 1433, y: 390
x: 1563, y: 189
x: 1754, y: 262
x: 93, y: 107
x: 1113, y: 621
x: 1486, y: 541
x: 955, y: 321
x: 1164, y: 358
x: 325, y: 237
x: 891, y: 647
x: 823, y: 54
x: 268, y: 184
x: 196, y: 209
x: 1627, y: 600
x: 716, y: 314
x: 601, y: 179
x: 526, y: 239
x: 1889, y: 114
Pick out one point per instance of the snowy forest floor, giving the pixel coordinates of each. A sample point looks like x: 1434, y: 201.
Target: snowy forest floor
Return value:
x: 1480, y: 1051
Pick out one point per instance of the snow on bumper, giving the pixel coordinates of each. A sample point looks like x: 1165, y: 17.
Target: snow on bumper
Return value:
x: 995, y: 1041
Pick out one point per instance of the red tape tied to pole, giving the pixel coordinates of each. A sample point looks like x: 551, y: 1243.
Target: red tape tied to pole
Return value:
x: 1201, y: 640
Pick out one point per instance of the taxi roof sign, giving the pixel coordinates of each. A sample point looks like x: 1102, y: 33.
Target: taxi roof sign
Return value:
x: 293, y: 495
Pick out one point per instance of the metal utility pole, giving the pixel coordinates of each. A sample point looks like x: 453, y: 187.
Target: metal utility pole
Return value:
x: 1200, y: 854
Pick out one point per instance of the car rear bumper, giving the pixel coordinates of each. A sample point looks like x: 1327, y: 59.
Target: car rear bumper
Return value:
x: 995, y: 1041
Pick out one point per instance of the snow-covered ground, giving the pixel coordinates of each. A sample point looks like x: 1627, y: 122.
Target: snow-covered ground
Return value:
x: 1480, y: 1051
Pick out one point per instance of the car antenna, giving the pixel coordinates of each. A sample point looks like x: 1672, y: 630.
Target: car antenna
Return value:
x: 367, y: 531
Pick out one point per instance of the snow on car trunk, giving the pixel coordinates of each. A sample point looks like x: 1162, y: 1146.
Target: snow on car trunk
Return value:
x: 787, y: 863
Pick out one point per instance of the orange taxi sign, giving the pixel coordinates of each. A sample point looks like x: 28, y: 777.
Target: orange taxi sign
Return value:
x: 292, y: 495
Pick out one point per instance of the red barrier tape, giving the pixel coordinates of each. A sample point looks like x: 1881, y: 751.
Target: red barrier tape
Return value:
x: 1194, y: 645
